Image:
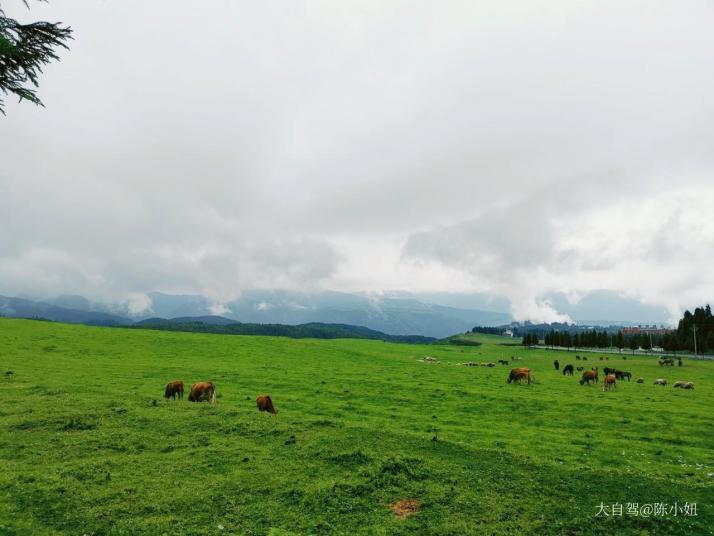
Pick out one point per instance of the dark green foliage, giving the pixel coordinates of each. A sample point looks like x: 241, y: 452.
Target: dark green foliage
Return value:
x: 488, y: 330
x: 24, y: 49
x: 701, y: 322
x: 530, y: 339
x: 313, y: 330
x: 620, y: 340
x: 587, y: 338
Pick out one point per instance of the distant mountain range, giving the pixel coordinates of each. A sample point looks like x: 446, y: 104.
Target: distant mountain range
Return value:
x: 397, y: 316
x: 435, y: 314
x: 21, y: 308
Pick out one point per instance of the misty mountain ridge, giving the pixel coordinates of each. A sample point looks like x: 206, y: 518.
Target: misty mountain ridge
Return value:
x: 23, y: 308
x: 386, y: 314
x: 396, y: 312
x: 402, y: 315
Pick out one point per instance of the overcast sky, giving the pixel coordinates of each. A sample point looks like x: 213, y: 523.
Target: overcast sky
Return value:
x: 512, y: 148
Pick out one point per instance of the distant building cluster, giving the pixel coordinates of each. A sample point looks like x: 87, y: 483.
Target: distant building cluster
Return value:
x: 647, y: 330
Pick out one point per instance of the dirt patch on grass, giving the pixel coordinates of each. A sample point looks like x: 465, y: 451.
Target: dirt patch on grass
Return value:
x: 405, y: 508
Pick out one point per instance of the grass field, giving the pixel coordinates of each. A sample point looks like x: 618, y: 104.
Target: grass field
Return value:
x: 89, y: 446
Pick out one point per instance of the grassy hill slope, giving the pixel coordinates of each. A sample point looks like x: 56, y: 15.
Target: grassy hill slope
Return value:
x: 311, y: 330
x: 89, y: 446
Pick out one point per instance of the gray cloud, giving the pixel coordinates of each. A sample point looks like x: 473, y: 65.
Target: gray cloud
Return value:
x: 512, y: 148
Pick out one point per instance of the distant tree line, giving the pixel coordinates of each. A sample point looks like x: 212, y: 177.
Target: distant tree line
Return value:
x: 530, y: 339
x: 701, y: 323
x: 519, y: 330
x: 602, y: 339
x: 585, y: 339
x: 488, y: 330
x: 313, y: 330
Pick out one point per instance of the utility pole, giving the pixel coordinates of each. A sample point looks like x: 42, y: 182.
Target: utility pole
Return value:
x: 694, y: 328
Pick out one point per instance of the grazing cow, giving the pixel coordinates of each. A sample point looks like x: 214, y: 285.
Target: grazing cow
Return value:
x: 503, y: 362
x: 519, y: 374
x: 640, y: 380
x: 556, y: 364
x: 266, y: 404
x: 601, y: 358
x: 607, y: 358
x: 203, y: 391
x: 622, y: 374
x: 608, y: 370
x: 174, y: 389
x: 589, y: 376
x: 609, y: 382
x: 688, y: 385
x: 661, y: 381
x: 579, y: 368
x: 666, y: 361
x: 585, y: 358
x: 577, y: 357
x: 568, y: 370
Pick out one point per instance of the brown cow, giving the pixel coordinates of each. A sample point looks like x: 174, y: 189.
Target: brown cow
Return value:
x: 266, y: 404
x: 609, y: 382
x: 519, y: 374
x: 661, y: 381
x: 203, y: 391
x: 173, y: 389
x: 588, y: 376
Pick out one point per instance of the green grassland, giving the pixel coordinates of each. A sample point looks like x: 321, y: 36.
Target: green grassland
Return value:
x: 88, y: 445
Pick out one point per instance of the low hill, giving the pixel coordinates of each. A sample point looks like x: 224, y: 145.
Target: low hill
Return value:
x: 209, y: 320
x: 21, y: 308
x: 312, y: 330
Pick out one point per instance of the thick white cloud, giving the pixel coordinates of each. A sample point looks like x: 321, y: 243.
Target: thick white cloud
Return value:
x: 514, y: 148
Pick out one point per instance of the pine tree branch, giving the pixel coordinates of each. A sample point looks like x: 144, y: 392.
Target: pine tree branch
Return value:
x: 24, y: 50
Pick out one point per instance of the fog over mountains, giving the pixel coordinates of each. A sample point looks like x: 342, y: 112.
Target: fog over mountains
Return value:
x: 398, y: 313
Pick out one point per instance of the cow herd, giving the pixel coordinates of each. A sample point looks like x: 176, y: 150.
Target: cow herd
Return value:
x: 523, y: 374
x: 206, y: 392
